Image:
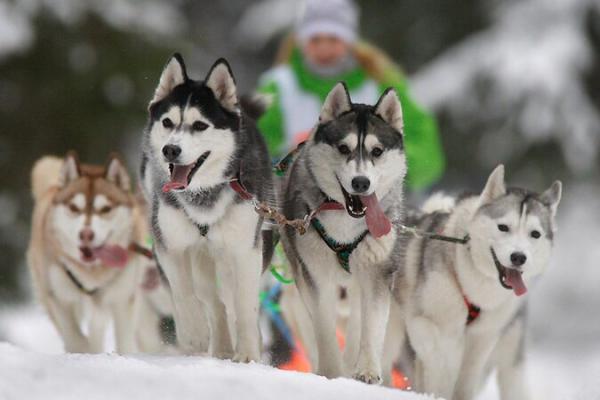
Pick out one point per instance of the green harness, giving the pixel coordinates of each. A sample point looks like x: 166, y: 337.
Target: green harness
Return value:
x: 342, y: 250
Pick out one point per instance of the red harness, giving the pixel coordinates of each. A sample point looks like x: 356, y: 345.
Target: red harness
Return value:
x: 473, y: 310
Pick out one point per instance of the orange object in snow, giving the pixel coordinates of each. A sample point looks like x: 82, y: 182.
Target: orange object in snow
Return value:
x: 299, y: 362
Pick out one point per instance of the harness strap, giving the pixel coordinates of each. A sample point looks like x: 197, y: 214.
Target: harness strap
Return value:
x: 473, y: 310
x: 342, y: 250
x: 78, y: 283
x: 141, y: 250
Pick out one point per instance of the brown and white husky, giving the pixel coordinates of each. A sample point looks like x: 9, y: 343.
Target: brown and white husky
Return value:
x: 85, y: 219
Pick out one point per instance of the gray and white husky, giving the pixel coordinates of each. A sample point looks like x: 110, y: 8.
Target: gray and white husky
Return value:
x: 462, y: 306
x: 207, y: 239
x: 354, y: 161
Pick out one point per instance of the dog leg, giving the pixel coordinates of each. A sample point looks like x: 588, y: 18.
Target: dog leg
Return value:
x: 510, y: 353
x: 439, y: 353
x: 246, y: 275
x: 97, y: 329
x: 375, y: 306
x: 394, y: 342
x: 477, y: 353
x: 190, y: 318
x: 353, y: 328
x: 206, y: 284
x: 68, y: 326
x: 125, y: 326
x: 321, y: 300
x: 298, y: 319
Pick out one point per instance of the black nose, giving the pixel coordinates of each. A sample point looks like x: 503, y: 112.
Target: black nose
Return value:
x: 361, y: 184
x: 518, y: 259
x: 171, y: 152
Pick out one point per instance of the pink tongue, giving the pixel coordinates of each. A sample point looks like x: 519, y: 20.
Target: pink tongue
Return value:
x: 515, y: 281
x: 179, y: 177
x: 111, y: 255
x: 377, y: 222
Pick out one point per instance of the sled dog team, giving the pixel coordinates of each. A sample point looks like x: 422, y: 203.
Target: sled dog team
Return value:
x: 439, y: 289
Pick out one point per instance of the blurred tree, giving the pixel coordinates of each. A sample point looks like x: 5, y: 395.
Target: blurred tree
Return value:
x: 81, y: 86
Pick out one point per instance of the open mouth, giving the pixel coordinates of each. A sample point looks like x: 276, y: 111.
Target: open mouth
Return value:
x: 367, y: 206
x: 87, y: 254
x: 510, y: 278
x: 181, y: 175
x: 354, y: 204
x: 110, y: 255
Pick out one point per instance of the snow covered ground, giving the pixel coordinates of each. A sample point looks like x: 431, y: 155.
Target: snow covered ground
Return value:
x: 32, y: 375
x: 33, y: 368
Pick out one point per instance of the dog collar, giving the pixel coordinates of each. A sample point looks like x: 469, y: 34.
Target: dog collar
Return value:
x: 342, y: 250
x: 77, y: 282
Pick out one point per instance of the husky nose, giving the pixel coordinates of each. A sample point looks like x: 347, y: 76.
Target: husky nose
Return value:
x: 86, y: 235
x: 171, y: 152
x: 518, y: 259
x: 361, y: 184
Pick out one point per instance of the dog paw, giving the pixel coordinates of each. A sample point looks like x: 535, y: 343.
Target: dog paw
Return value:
x: 244, y: 358
x: 224, y: 355
x: 370, y: 378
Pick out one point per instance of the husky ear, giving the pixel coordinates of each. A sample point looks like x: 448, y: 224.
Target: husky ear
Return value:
x: 117, y: 173
x: 173, y: 75
x: 220, y: 80
x: 494, y: 187
x: 336, y: 103
x: 551, y: 197
x: 390, y: 110
x: 70, y: 169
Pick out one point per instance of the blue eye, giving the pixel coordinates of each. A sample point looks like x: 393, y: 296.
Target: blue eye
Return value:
x: 503, y: 228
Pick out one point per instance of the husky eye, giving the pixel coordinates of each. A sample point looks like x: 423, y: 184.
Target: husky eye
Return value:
x: 167, y: 123
x: 344, y: 149
x: 74, y: 209
x: 503, y: 228
x: 536, y: 234
x: 105, y: 210
x: 199, y: 126
x: 376, y: 152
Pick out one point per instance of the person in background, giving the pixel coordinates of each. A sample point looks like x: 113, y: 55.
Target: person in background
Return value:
x: 324, y: 49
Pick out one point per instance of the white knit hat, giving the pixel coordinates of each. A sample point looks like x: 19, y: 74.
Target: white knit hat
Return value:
x: 334, y: 17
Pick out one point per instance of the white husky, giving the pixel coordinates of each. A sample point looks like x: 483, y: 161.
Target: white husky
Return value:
x: 463, y: 305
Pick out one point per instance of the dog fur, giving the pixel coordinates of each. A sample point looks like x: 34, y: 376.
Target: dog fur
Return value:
x: 70, y: 199
x: 207, y: 239
x: 341, y: 148
x: 435, y: 279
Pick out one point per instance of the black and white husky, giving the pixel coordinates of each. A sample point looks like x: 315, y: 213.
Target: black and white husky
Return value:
x: 207, y: 239
x: 354, y: 159
x: 463, y: 305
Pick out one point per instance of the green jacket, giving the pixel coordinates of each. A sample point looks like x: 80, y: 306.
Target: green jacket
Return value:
x: 297, y: 95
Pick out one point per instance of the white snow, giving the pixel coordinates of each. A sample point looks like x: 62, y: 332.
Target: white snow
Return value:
x: 150, y: 19
x: 523, y: 73
x: 30, y: 375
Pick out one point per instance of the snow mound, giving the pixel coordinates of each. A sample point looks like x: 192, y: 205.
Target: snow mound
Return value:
x: 34, y: 376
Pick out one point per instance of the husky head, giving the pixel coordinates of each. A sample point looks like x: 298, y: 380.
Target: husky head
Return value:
x: 512, y: 231
x: 357, y: 155
x: 92, y: 217
x: 193, y: 126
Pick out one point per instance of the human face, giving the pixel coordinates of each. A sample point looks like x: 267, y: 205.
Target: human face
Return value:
x: 325, y: 50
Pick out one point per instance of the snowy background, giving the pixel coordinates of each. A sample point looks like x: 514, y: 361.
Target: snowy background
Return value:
x: 511, y: 81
